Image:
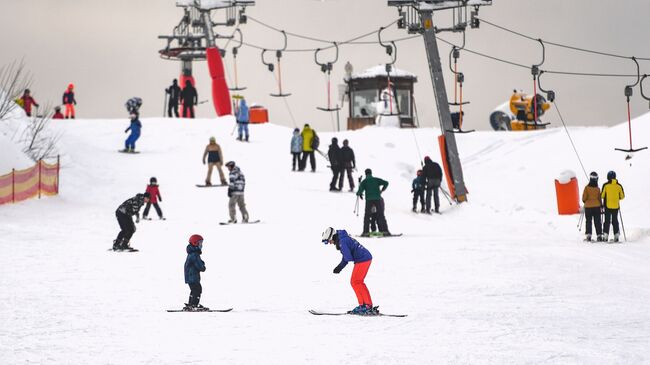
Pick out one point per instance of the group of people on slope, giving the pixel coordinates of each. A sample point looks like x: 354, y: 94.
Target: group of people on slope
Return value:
x: 427, y: 183
x: 187, y: 96
x: 27, y: 102
x: 605, y: 201
x: 303, y: 145
x: 342, y: 162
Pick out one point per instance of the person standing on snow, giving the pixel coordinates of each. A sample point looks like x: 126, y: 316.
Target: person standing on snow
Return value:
x: 296, y: 149
x: 124, y: 213
x: 27, y: 101
x: 352, y: 250
x: 417, y: 188
x: 134, y: 127
x: 433, y: 173
x: 310, y: 143
x: 215, y: 159
x: 591, y: 200
x: 133, y: 105
x: 373, y: 187
x: 57, y: 113
x: 154, y: 196
x: 243, y: 116
x: 189, y: 98
x: 69, y: 101
x: 236, y: 193
x: 334, y: 155
x: 348, y: 163
x: 194, y: 265
x: 174, y: 92
x: 612, y: 194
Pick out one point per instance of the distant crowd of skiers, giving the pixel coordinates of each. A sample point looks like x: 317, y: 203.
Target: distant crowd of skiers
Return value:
x: 599, y: 202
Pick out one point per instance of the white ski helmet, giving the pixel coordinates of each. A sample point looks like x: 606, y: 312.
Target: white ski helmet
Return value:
x: 327, y: 235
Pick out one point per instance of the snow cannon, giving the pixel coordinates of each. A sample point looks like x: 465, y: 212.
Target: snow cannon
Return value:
x: 519, y: 114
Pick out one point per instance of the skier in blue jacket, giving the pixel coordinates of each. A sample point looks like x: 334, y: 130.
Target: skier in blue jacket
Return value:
x: 134, y: 127
x: 352, y: 250
x: 193, y: 267
x: 242, y: 120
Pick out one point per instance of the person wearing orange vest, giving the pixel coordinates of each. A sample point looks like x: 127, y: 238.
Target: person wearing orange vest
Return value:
x: 612, y: 194
x: 69, y: 102
x: 591, y: 199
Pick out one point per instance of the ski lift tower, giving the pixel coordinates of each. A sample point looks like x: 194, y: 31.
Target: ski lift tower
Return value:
x: 417, y: 17
x: 193, y: 39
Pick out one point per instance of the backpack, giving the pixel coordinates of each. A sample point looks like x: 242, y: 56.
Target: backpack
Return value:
x: 315, y: 142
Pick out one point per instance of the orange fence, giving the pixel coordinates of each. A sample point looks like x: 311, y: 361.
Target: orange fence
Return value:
x: 19, y: 185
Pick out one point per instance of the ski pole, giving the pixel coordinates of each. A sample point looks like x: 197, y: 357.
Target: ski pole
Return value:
x: 582, y: 215
x: 446, y: 194
x: 356, y: 207
x: 233, y: 129
x: 622, y: 225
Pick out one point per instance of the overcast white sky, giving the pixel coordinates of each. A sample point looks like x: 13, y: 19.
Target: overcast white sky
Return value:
x: 109, y: 50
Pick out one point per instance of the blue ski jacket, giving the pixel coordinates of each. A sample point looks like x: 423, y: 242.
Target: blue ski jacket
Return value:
x: 135, y: 127
x: 193, y: 265
x: 351, y: 249
x: 243, y: 115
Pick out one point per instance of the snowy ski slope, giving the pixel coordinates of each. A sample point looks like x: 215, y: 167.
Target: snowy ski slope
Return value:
x: 501, y: 279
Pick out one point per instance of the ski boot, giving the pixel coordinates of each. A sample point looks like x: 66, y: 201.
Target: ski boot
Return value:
x: 605, y: 237
x: 200, y: 308
x: 372, y: 311
x: 359, y: 310
x: 616, y: 236
x: 232, y: 221
x: 116, y: 245
x: 365, y: 234
x: 208, y: 183
x: 599, y: 238
x: 245, y: 219
x: 587, y: 238
x: 188, y: 308
x: 423, y: 210
x: 125, y: 245
x: 415, y: 210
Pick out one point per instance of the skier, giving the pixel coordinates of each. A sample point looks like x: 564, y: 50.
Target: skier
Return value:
x: 352, y: 250
x: 310, y: 142
x: 236, y: 193
x: 242, y: 120
x: 27, y: 101
x: 133, y: 105
x: 348, y: 163
x: 433, y: 173
x: 69, y: 101
x: 154, y: 193
x: 124, y: 212
x: 174, y: 92
x: 189, y: 98
x: 612, y: 194
x: 57, y: 113
x: 592, y: 206
x: 215, y: 158
x: 296, y: 149
x: 373, y: 187
x: 194, y: 265
x: 134, y: 127
x: 334, y: 155
x: 417, y: 188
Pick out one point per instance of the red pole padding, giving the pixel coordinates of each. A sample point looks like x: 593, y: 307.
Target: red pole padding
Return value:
x: 181, y: 84
x: 220, y: 93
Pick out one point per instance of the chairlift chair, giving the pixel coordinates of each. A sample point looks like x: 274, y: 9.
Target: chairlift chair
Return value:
x: 628, y: 93
x: 391, y: 50
x: 327, y: 69
x: 278, y: 56
x: 235, y: 50
x: 459, y: 78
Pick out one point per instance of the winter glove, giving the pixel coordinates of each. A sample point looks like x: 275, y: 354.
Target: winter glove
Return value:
x: 338, y: 269
x: 126, y: 131
x: 229, y: 193
x: 412, y: 191
x: 204, y: 162
x: 137, y: 219
x: 360, y: 196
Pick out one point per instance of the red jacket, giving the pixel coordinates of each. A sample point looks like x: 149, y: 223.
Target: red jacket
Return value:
x: 57, y: 115
x: 28, y: 101
x: 154, y: 192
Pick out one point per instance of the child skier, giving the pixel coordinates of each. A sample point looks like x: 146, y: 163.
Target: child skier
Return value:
x: 27, y: 101
x: 154, y: 192
x: 193, y: 267
x: 296, y: 149
x: 69, y: 102
x: 353, y: 251
x: 417, y: 188
x: 134, y: 127
x: 57, y: 113
x: 591, y: 199
x: 612, y: 194
x: 130, y: 207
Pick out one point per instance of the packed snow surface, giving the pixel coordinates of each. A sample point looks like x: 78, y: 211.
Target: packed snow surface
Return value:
x: 499, y: 279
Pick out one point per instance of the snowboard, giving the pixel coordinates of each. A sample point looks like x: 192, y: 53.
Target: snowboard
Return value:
x: 210, y: 186
x: 129, y: 152
x: 317, y: 313
x: 249, y: 222
x: 150, y: 219
x: 127, y: 250
x: 209, y: 310
x: 381, y: 236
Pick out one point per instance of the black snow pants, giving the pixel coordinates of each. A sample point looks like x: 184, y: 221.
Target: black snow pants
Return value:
x: 172, y: 108
x: 156, y: 206
x: 346, y: 170
x: 611, y: 215
x: 127, y: 228
x: 337, y: 172
x: 378, y: 205
x: 419, y: 195
x: 295, y: 161
x: 188, y: 111
x: 195, y: 294
x: 312, y: 160
x: 593, y: 214
x: 433, y: 186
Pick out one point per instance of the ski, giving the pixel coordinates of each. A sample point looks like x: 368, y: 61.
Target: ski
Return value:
x: 249, y: 222
x: 317, y: 313
x: 128, y: 152
x: 381, y: 236
x: 210, y: 186
x: 209, y: 310
x: 122, y: 250
x: 150, y: 219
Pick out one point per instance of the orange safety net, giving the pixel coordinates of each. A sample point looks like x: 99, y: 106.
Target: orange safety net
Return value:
x: 19, y: 185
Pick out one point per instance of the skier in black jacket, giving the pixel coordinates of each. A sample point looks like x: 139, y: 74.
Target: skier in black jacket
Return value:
x: 189, y: 98
x: 124, y: 213
x: 348, y: 163
x: 433, y: 173
x: 334, y: 155
x: 174, y: 92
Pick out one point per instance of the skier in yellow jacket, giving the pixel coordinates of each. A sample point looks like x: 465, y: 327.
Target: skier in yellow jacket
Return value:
x: 591, y: 199
x: 310, y: 142
x: 612, y: 194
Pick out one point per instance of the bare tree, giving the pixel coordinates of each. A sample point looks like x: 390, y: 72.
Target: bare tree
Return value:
x: 13, y: 81
x: 40, y: 142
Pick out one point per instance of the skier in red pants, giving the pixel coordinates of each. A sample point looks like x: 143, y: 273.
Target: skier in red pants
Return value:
x: 352, y: 250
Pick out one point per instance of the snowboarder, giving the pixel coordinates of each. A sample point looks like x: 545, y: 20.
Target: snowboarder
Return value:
x: 348, y: 163
x: 296, y: 149
x: 174, y: 92
x: 612, y: 194
x: 154, y: 197
x: 433, y: 173
x: 373, y: 187
x: 189, y: 98
x: 236, y: 193
x: 334, y: 155
x: 194, y: 265
x: 308, y: 146
x: 134, y: 127
x: 215, y: 159
x: 243, y: 116
x: 417, y: 188
x: 124, y: 214
x: 69, y: 101
x: 592, y: 206
x: 27, y: 101
x: 133, y: 105
x: 57, y: 113
x: 352, y: 250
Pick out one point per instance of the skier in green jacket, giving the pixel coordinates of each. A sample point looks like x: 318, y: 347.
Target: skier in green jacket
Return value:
x: 373, y: 187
